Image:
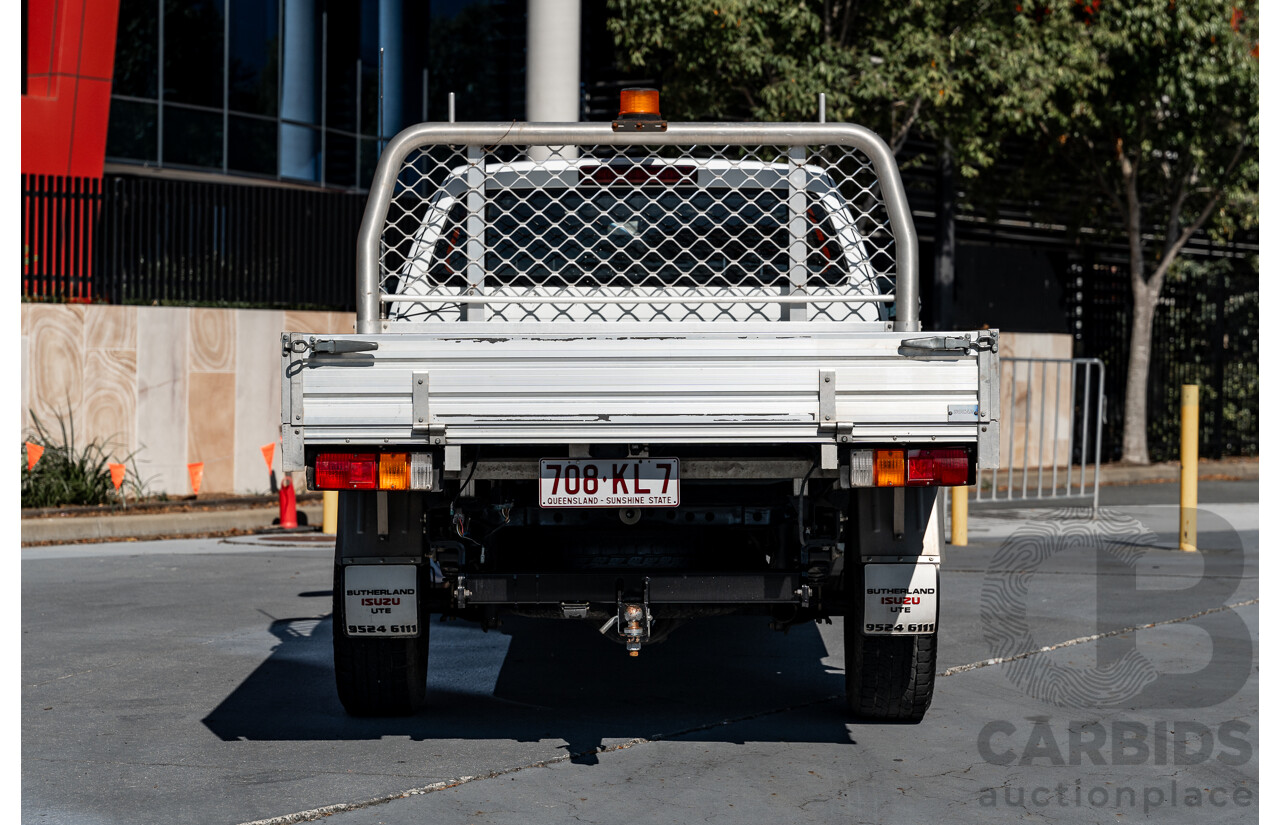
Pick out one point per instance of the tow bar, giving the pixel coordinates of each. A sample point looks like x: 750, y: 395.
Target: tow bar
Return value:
x: 634, y: 620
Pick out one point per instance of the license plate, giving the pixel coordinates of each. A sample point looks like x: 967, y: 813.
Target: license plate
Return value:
x: 627, y: 482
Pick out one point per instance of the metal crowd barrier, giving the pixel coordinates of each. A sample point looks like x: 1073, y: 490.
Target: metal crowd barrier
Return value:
x: 1053, y: 429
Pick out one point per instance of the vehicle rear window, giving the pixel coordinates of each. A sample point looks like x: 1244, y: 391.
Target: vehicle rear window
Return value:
x: 681, y: 236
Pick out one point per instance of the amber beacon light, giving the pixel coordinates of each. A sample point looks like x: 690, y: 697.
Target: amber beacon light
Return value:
x: 638, y: 111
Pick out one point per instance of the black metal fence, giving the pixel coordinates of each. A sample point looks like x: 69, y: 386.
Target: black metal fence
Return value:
x: 164, y: 241
x: 58, y: 219
x: 1206, y: 333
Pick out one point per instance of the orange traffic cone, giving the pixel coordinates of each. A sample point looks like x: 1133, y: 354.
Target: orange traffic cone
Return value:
x: 288, y: 505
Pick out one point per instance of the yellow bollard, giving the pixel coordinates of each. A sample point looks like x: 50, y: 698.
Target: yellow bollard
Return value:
x: 959, y: 516
x: 330, y: 520
x: 1190, y: 465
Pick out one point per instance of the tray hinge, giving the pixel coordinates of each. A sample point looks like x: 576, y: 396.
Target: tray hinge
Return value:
x: 422, y: 423
x: 827, y: 422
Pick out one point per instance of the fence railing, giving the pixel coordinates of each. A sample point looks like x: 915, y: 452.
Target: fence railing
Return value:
x: 1053, y: 427
x: 200, y: 243
x: 58, y: 219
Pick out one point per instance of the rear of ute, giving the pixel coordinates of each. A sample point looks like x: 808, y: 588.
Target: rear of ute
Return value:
x: 636, y: 376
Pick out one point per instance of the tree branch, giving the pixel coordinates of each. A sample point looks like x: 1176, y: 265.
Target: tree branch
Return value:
x: 901, y: 134
x: 847, y: 8
x: 1133, y: 216
x: 1175, y: 211
x: 1174, y: 244
x: 1107, y: 189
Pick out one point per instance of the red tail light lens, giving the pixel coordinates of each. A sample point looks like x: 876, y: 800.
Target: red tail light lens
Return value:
x: 338, y: 471
x: 937, y: 468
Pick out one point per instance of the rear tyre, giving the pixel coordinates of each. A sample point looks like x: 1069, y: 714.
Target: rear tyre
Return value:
x: 379, y: 677
x: 887, y: 678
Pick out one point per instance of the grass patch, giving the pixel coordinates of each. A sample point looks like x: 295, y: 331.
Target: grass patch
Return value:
x: 70, y: 474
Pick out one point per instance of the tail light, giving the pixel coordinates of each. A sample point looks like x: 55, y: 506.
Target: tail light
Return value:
x: 938, y: 468
x: 335, y: 471
x: 373, y: 471
x: 933, y: 467
x: 639, y: 175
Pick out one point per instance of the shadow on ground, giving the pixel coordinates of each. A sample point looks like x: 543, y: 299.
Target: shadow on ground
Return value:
x: 550, y: 679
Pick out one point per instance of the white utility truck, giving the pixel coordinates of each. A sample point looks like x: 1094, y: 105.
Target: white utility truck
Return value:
x: 637, y: 373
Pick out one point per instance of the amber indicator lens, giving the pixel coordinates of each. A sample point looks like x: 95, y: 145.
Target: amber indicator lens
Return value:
x: 639, y: 102
x: 890, y: 468
x: 393, y: 471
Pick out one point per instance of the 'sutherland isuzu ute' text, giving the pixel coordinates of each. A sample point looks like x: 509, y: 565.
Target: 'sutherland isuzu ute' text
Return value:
x: 638, y: 373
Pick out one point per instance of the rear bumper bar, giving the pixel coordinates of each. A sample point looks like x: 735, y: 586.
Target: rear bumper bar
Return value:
x: 663, y: 588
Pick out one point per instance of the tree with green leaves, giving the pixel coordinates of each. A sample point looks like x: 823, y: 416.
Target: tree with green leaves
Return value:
x: 1161, y: 124
x: 945, y: 71
x: 930, y: 68
x: 1150, y: 106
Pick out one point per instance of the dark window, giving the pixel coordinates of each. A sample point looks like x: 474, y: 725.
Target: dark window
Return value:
x: 340, y: 160
x: 344, y: 29
x: 131, y: 130
x: 255, y: 56
x: 193, y: 53
x: 192, y: 137
x: 136, y: 66
x: 682, y: 237
x: 476, y: 49
x: 368, y: 70
x: 251, y: 145
x: 368, y: 161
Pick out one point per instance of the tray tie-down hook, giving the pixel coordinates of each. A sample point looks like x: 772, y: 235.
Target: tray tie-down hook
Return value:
x: 947, y: 343
x: 328, y: 345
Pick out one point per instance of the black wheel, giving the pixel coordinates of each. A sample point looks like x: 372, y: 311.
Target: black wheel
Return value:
x: 887, y: 678
x: 379, y: 677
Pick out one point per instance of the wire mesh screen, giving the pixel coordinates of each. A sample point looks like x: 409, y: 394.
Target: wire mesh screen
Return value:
x: 637, y: 233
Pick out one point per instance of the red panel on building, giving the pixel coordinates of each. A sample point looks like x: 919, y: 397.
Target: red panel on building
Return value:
x: 71, y: 47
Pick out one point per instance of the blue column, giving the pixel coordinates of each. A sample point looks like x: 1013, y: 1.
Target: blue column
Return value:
x: 391, y: 39
x: 299, y: 146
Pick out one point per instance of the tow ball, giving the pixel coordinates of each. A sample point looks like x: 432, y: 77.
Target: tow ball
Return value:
x: 633, y: 621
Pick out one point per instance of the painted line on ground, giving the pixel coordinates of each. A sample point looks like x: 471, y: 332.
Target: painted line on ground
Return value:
x: 1000, y: 660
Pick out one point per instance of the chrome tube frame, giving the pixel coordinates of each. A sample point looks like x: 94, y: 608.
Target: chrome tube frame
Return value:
x: 368, y: 300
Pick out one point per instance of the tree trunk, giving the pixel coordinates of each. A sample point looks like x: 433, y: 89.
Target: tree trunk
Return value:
x: 1135, y: 390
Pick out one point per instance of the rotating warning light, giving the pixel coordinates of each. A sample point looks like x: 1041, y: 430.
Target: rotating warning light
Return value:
x: 639, y: 102
x: 638, y: 112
